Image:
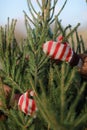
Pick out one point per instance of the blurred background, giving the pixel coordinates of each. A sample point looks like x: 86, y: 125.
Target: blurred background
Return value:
x: 74, y: 12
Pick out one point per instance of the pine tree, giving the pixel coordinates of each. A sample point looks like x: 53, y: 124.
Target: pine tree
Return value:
x: 59, y: 92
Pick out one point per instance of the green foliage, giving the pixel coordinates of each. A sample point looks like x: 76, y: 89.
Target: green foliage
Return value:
x: 58, y: 87
x: 14, y: 59
x: 59, y: 102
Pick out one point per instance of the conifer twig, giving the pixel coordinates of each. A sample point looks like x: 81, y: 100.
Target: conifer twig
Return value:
x: 73, y: 30
x: 62, y: 8
x: 73, y: 106
x: 39, y: 4
x: 29, y: 18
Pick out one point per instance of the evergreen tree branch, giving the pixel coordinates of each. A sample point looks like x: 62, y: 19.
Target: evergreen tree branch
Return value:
x: 80, y: 119
x: 30, y: 9
x: 82, y: 43
x: 29, y: 18
x: 73, y: 30
x: 30, y: 4
x: 71, y: 78
x: 73, y: 106
x: 39, y: 4
x: 62, y: 92
x: 72, y: 40
x: 78, y: 43
x: 59, y: 12
x: 62, y: 8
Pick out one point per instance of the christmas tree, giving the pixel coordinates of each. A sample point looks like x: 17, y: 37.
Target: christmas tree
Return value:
x: 55, y: 88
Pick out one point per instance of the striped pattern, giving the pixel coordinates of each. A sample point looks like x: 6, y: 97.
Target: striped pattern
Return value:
x: 26, y: 104
x: 60, y: 38
x: 31, y: 93
x: 58, y: 51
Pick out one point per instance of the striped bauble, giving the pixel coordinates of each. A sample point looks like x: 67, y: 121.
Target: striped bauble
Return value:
x: 58, y: 50
x: 26, y: 103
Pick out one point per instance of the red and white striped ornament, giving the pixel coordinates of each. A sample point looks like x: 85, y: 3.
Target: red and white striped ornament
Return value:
x: 31, y: 93
x: 27, y: 104
x: 58, y: 50
x: 60, y: 38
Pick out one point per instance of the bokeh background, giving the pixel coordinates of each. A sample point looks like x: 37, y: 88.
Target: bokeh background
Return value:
x: 74, y: 12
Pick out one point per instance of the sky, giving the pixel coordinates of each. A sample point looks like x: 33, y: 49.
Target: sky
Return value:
x: 74, y: 12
